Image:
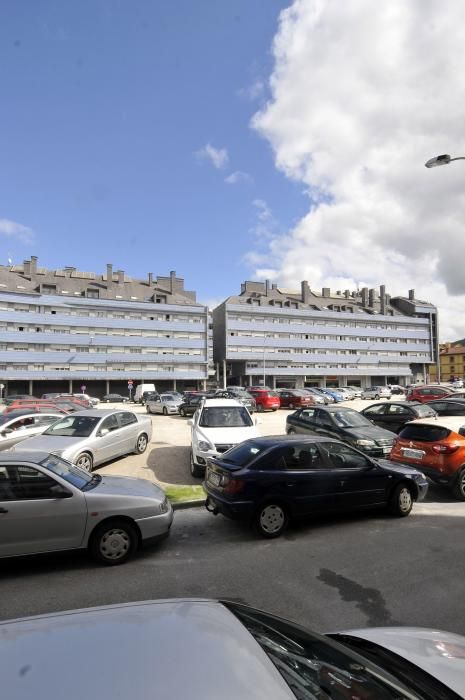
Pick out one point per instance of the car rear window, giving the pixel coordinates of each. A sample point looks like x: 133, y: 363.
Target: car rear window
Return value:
x: 423, y: 411
x: 424, y: 433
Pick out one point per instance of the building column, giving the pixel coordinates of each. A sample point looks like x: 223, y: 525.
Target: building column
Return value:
x: 217, y: 372
x: 204, y: 384
x: 31, y: 387
x: 224, y: 374
x: 250, y: 380
x: 274, y: 381
x: 174, y: 384
x: 70, y: 389
x: 107, y: 386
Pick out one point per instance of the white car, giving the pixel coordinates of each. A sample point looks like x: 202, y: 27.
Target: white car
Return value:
x: 18, y: 426
x: 356, y: 391
x: 346, y: 393
x: 217, y: 425
x: 376, y: 392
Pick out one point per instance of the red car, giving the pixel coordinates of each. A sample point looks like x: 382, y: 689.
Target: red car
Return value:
x: 295, y: 398
x: 265, y: 399
x: 428, y: 393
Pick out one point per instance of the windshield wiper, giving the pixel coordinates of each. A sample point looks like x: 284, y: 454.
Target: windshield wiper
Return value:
x: 96, y: 479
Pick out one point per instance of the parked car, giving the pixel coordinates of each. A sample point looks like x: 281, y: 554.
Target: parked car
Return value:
x: 347, y: 394
x: 266, y: 399
x: 397, y: 389
x: 243, y: 397
x: 38, y: 406
x: 273, y: 479
x: 148, y: 396
x: 457, y: 384
x: 218, y: 425
x: 51, y: 395
x: 256, y: 655
x: 92, y: 437
x: 334, y: 394
x: 295, y: 398
x: 91, y: 399
x: 450, y: 406
x: 114, y: 398
x: 190, y: 404
x: 48, y: 505
x: 393, y: 415
x: 14, y: 428
x: 376, y: 392
x: 343, y: 424
x: 326, y: 396
x: 437, y: 447
x: 356, y: 390
x: 317, y: 396
x: 15, y: 397
x: 163, y: 403
x: 425, y: 393
x: 141, y: 389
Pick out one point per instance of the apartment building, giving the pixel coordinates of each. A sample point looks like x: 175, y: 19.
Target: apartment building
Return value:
x: 278, y: 337
x: 62, y: 330
x: 451, y: 361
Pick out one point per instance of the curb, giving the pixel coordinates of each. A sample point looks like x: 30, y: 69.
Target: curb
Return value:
x: 184, y: 505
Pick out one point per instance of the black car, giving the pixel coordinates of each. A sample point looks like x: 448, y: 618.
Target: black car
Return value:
x: 450, y: 406
x: 243, y: 397
x: 148, y: 396
x: 273, y: 479
x: 392, y: 416
x: 114, y: 398
x: 343, y: 424
x: 190, y: 404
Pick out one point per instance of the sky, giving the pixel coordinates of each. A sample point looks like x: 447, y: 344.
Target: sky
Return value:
x: 238, y: 140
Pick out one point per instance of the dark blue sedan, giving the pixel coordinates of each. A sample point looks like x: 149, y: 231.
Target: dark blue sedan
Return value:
x: 271, y: 480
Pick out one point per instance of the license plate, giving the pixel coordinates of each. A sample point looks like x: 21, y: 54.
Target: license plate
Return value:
x: 214, y: 478
x: 386, y: 450
x: 413, y: 454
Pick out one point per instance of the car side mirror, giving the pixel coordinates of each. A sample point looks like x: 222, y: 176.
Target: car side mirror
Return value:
x: 190, y: 422
x: 6, y: 432
x: 59, y: 491
x: 103, y: 432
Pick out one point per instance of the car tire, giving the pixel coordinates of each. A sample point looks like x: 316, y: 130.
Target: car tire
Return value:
x: 85, y: 461
x: 196, y: 471
x: 165, y: 412
x: 401, y: 501
x: 291, y: 406
x: 141, y: 444
x: 376, y: 397
x: 271, y: 519
x: 291, y: 431
x: 147, y: 408
x: 113, y: 542
x: 259, y: 408
x: 458, y: 487
x: 182, y: 412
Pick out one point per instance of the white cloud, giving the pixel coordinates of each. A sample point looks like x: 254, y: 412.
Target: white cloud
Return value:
x: 363, y: 94
x: 264, y: 227
x: 218, y: 157
x: 239, y: 177
x: 14, y: 230
x: 254, y: 90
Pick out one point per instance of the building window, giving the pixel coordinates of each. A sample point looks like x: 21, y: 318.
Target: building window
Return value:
x: 49, y: 289
x: 93, y: 293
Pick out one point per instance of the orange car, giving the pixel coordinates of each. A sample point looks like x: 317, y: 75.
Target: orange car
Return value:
x: 436, y: 446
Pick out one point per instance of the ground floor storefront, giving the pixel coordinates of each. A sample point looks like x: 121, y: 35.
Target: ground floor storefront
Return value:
x: 97, y: 388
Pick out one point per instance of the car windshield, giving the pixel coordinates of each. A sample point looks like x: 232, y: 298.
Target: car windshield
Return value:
x: 167, y: 397
x: 313, y: 667
x: 225, y: 417
x: 244, y: 453
x: 350, y: 419
x: 70, y: 472
x: 73, y: 426
x: 424, y: 411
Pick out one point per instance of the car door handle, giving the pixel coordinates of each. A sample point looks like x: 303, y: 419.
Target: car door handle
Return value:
x: 3, y: 510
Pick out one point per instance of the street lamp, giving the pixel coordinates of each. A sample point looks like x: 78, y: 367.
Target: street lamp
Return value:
x: 441, y: 160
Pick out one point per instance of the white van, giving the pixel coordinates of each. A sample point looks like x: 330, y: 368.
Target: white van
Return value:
x: 140, y: 389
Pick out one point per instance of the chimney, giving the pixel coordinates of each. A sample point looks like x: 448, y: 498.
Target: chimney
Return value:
x: 150, y: 282
x: 27, y: 267
x: 347, y: 294
x: 120, y: 274
x: 371, y: 298
x: 172, y: 281
x: 69, y: 270
x: 305, y: 292
x: 267, y: 287
x: 365, y: 296
x: 411, y: 294
x: 382, y: 296
x: 109, y: 276
x: 274, y: 286
x: 33, y: 264
x: 326, y: 292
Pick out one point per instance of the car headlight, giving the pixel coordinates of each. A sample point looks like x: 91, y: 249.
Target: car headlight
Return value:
x: 365, y: 443
x: 205, y: 446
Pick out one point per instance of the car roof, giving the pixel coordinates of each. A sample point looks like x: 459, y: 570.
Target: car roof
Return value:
x: 98, y: 412
x: 32, y: 414
x: 34, y: 456
x: 270, y: 440
x: 451, y: 422
x: 181, y: 633
x: 221, y: 403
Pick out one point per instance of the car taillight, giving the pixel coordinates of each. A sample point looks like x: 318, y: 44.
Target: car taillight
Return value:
x: 234, y: 486
x: 445, y: 449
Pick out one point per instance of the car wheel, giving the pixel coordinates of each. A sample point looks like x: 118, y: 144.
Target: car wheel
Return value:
x: 113, y: 542
x: 291, y: 406
x: 165, y: 411
x: 376, y: 396
x: 182, y: 412
x: 401, y: 501
x: 458, y: 487
x: 85, y: 461
x: 196, y: 471
x: 141, y: 444
x: 291, y: 432
x: 259, y: 408
x: 271, y: 520
x: 147, y: 408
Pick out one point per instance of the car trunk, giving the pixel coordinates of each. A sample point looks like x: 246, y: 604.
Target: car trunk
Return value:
x: 220, y: 475
x: 427, y: 445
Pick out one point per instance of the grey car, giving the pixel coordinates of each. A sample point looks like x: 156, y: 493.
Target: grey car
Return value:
x: 18, y: 426
x: 48, y: 504
x: 205, y: 650
x: 91, y: 437
x: 163, y: 403
x: 376, y: 392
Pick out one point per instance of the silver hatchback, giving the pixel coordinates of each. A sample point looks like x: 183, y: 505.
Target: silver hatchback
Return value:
x: 92, y: 437
x: 376, y: 392
x: 167, y: 404
x: 49, y: 505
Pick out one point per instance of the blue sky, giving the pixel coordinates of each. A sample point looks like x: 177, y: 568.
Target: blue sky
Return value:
x: 107, y: 107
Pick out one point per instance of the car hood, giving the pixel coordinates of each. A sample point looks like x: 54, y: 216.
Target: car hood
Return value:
x: 397, y: 467
x: 441, y: 654
x: 370, y: 432
x: 126, y: 486
x: 227, y: 436
x: 49, y: 443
